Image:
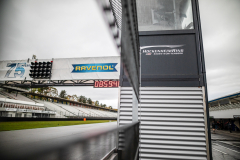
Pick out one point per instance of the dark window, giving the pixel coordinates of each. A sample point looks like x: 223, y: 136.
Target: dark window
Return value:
x: 156, y: 15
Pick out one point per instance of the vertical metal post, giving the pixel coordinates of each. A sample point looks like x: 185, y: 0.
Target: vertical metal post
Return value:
x: 204, y: 79
x: 134, y: 107
x: 174, y: 13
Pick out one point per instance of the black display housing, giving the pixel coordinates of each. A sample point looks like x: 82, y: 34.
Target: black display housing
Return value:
x: 41, y: 70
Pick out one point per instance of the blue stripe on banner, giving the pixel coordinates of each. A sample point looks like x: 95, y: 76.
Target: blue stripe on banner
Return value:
x: 95, y: 67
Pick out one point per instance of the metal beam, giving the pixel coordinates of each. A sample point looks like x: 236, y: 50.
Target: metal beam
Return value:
x: 53, y: 84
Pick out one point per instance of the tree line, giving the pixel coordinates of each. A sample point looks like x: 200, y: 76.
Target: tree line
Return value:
x: 51, y: 91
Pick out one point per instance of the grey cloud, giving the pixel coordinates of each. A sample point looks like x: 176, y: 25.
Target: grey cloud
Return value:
x: 53, y: 29
x: 221, y: 38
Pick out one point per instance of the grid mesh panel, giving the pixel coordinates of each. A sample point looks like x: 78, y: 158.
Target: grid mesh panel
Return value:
x: 116, y: 6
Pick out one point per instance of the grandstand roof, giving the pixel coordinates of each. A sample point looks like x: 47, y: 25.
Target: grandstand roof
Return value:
x: 233, y: 98
x: 15, y: 88
x: 6, y: 100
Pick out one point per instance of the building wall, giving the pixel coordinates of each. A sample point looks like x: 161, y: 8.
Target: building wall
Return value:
x: 172, y: 121
x: 225, y: 113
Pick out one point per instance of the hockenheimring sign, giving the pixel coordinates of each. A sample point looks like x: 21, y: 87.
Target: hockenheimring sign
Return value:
x: 168, y: 55
x: 173, y: 50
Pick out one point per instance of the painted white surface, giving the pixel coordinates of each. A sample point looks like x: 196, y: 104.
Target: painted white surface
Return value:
x: 225, y: 113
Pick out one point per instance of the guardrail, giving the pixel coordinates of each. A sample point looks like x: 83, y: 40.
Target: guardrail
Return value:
x: 225, y: 107
x: 91, y: 146
x: 130, y: 142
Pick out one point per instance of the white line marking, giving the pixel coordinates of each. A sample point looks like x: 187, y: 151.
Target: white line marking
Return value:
x: 229, y: 144
x: 227, y: 148
x: 219, y: 151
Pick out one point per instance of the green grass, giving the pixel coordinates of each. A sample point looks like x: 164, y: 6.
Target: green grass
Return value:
x: 8, y: 126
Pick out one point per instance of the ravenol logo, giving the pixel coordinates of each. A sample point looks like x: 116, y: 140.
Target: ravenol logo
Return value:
x: 95, y: 67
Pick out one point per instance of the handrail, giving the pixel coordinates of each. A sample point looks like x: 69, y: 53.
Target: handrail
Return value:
x: 65, y: 145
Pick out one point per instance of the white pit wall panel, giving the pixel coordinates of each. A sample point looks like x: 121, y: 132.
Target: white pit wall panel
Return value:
x: 172, y: 122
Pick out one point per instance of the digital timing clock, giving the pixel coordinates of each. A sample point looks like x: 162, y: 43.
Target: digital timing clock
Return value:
x: 106, y: 84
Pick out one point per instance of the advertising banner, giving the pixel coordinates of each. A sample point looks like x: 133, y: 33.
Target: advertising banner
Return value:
x: 11, y: 109
x: 21, y: 110
x: 91, y: 68
x: 48, y: 112
x: 16, y: 70
x: 168, y: 55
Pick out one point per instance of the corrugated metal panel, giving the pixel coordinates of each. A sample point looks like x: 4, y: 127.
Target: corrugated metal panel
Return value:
x: 172, y: 122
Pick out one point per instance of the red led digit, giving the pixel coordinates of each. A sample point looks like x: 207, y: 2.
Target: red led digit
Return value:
x: 100, y: 83
x: 115, y: 83
x: 105, y: 84
x: 110, y: 84
x: 96, y: 84
x: 118, y: 84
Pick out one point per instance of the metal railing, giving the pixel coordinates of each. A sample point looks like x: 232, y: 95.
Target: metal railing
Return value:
x: 129, y: 142
x: 224, y: 107
x: 94, y: 145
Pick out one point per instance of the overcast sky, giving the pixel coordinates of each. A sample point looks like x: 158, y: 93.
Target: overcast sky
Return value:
x: 221, y: 38
x: 75, y: 28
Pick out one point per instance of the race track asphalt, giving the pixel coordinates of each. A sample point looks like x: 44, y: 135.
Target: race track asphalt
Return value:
x: 226, y: 145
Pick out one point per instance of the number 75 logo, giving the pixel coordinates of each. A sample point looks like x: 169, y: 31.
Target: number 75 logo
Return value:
x: 18, y: 70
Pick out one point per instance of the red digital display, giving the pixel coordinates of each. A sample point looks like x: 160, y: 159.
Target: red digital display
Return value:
x: 106, y: 84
